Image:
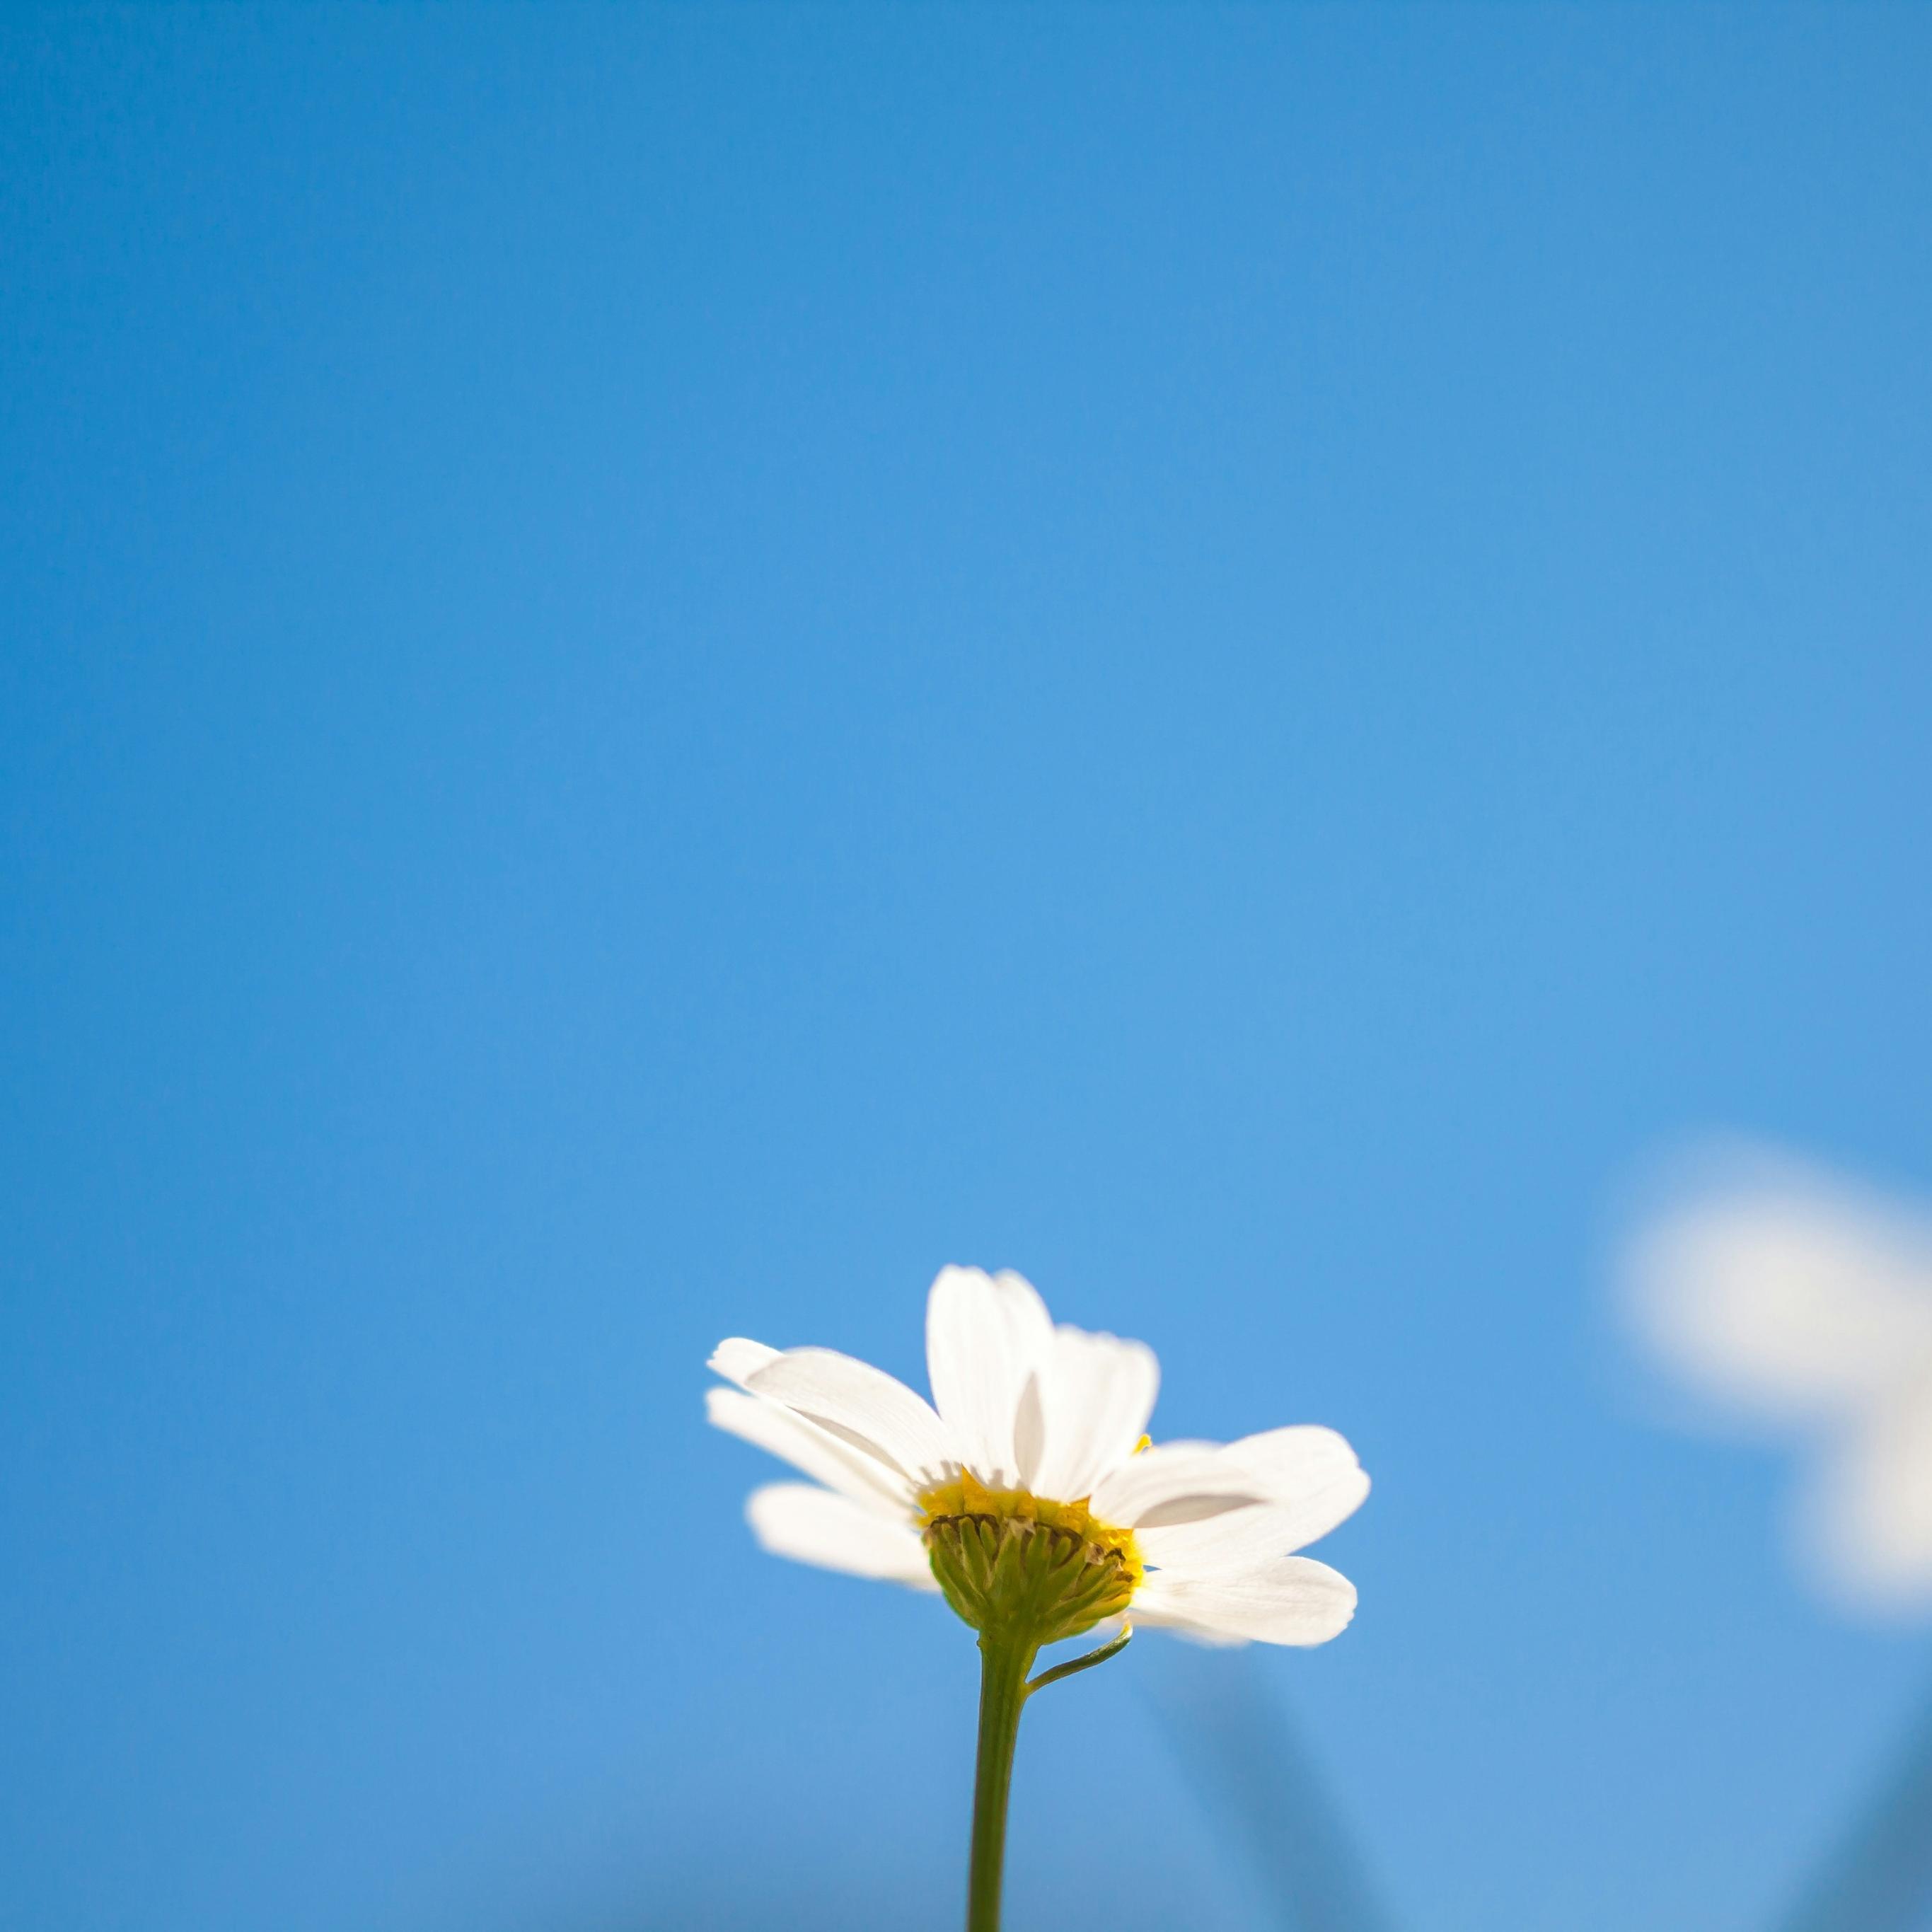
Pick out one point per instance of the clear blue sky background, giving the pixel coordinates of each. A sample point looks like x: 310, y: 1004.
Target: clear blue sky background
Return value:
x: 664, y: 665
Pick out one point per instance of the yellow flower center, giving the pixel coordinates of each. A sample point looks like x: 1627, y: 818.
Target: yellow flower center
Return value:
x: 1009, y: 1560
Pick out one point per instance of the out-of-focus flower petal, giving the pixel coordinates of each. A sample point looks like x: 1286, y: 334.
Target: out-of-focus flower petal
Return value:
x: 1783, y: 1294
x: 1778, y: 1291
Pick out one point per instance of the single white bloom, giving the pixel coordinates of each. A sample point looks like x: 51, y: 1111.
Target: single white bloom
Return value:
x: 1033, y: 1446
x: 1804, y: 1302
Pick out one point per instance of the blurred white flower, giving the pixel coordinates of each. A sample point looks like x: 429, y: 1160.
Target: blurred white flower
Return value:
x: 1029, y: 1472
x: 1804, y: 1301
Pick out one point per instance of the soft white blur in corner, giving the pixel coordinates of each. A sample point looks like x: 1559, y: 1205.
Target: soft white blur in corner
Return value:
x: 1788, y: 1295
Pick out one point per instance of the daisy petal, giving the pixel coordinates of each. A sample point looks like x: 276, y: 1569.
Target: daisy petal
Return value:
x: 986, y: 1336
x: 812, y: 1525
x: 1308, y: 1481
x: 1157, y: 1619
x: 1294, y: 1460
x: 782, y: 1432
x: 1097, y: 1393
x: 862, y: 1405
x: 1237, y: 1539
x: 735, y: 1358
x: 1178, y: 1482
x: 1293, y: 1600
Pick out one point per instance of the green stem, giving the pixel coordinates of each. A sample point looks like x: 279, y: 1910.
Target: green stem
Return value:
x: 1004, y: 1661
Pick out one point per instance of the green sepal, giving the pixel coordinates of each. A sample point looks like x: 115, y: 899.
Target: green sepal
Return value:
x: 1029, y: 1582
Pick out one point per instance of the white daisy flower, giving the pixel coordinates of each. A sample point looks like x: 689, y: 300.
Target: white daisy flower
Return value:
x: 1027, y: 1491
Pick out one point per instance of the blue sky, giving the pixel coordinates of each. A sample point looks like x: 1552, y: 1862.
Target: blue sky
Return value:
x: 662, y: 666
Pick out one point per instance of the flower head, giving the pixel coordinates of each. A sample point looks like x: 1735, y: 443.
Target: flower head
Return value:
x: 1027, y: 1491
